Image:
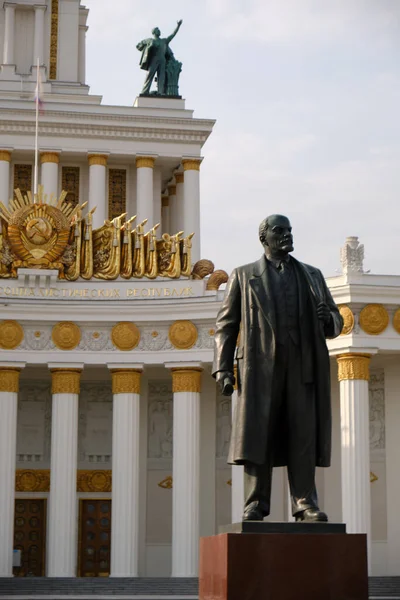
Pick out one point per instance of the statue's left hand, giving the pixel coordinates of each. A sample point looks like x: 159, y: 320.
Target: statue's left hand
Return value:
x: 323, y: 312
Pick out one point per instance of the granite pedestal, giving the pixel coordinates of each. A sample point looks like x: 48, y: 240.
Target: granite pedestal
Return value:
x: 284, y: 561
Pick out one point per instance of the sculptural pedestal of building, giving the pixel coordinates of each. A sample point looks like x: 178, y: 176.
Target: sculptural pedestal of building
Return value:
x: 288, y: 561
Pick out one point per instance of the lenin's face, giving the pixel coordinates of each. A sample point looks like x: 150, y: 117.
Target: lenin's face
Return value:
x: 279, y: 235
x: 156, y: 32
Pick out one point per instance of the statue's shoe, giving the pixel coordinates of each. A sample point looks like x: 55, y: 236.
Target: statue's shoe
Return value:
x: 312, y: 515
x: 255, y: 514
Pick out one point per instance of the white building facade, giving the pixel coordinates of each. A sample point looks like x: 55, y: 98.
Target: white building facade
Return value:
x: 113, y: 436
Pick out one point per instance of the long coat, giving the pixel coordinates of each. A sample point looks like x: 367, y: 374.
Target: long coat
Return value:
x: 249, y: 306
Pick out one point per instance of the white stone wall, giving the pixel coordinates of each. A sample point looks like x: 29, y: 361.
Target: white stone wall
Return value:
x: 24, y: 35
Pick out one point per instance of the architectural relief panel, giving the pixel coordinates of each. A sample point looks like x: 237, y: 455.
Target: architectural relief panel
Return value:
x: 23, y: 178
x: 70, y: 183
x: 34, y: 422
x: 95, y: 423
x: 377, y: 410
x: 116, y: 192
x: 160, y: 420
x: 223, y: 425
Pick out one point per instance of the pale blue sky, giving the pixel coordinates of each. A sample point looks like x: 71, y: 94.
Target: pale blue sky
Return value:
x: 306, y: 94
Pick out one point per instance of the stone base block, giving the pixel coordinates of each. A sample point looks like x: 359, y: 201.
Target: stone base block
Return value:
x: 283, y: 566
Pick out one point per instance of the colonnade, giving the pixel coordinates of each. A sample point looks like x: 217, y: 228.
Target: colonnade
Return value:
x: 178, y: 208
x: 62, y: 532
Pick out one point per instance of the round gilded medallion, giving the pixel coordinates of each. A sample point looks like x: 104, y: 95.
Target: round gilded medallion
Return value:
x: 183, y: 334
x: 396, y: 320
x: 374, y: 319
x: 11, y: 335
x: 348, y: 319
x: 125, y: 335
x: 66, y: 335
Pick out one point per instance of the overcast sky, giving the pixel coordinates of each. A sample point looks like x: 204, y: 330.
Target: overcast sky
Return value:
x: 306, y: 94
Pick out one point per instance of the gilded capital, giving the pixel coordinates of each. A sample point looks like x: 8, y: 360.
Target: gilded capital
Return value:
x: 97, y: 159
x: 353, y: 366
x: 126, y: 381
x: 186, y: 379
x: 65, y: 381
x: 179, y: 177
x: 164, y: 201
x: 235, y: 373
x: 5, y: 155
x: 172, y: 190
x: 9, y: 379
x: 191, y: 164
x: 145, y: 161
x: 49, y: 157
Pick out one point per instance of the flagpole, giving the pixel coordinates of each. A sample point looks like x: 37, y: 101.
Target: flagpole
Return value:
x: 35, y: 181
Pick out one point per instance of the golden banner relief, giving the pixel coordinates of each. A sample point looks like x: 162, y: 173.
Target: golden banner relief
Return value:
x: 98, y: 293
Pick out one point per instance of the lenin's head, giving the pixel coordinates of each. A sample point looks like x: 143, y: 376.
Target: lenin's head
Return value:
x: 275, y: 233
x: 156, y: 32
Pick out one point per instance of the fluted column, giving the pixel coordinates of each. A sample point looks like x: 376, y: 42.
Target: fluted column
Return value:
x: 62, y: 539
x: 49, y: 173
x: 9, y: 34
x: 179, y: 178
x: 82, y: 54
x: 173, y: 218
x: 186, y: 387
x: 191, y: 203
x: 5, y: 159
x: 39, y: 34
x: 165, y: 221
x: 97, y: 188
x: 237, y: 474
x: 353, y: 375
x: 9, y: 385
x: 145, y: 189
x: 125, y: 470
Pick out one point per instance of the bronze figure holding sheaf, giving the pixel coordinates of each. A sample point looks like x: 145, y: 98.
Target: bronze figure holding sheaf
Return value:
x: 159, y: 61
x: 285, y: 312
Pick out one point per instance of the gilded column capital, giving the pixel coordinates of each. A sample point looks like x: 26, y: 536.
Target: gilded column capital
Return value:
x: 172, y: 190
x: 164, y: 201
x: 186, y: 379
x: 235, y: 373
x: 49, y: 157
x: 5, y: 155
x: 97, y: 159
x: 9, y: 379
x: 179, y: 177
x: 353, y: 366
x: 65, y: 381
x: 145, y: 161
x: 126, y: 381
x: 191, y: 164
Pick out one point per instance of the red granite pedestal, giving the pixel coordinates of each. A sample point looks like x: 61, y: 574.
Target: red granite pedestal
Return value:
x: 284, y: 566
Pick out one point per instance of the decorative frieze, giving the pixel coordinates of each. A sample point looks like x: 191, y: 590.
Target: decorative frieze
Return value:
x: 32, y: 480
x: 94, y: 481
x: 353, y: 366
x: 65, y: 381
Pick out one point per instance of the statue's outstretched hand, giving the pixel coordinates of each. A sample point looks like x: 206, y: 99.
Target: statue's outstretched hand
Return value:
x: 180, y: 22
x: 226, y: 381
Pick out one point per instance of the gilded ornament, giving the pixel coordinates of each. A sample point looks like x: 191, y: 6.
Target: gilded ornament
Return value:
x: 172, y: 190
x: 216, y: 279
x: 165, y: 201
x: 190, y: 164
x: 66, y: 335
x: 348, y: 319
x: 229, y: 482
x: 11, y: 335
x: 211, y: 332
x: 125, y: 336
x: 235, y: 374
x: 65, y: 381
x: 154, y: 334
x: 49, y: 157
x: 97, y: 159
x: 202, y: 268
x: 145, y: 161
x: 126, y: 381
x: 167, y: 483
x: 374, y: 319
x: 32, y: 480
x: 5, y: 155
x: 179, y: 177
x: 95, y: 335
x: 9, y: 380
x: 186, y: 379
x: 94, y: 481
x: 53, y: 39
x: 183, y: 334
x: 396, y: 320
x: 373, y: 477
x: 353, y: 366
x: 37, y: 334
